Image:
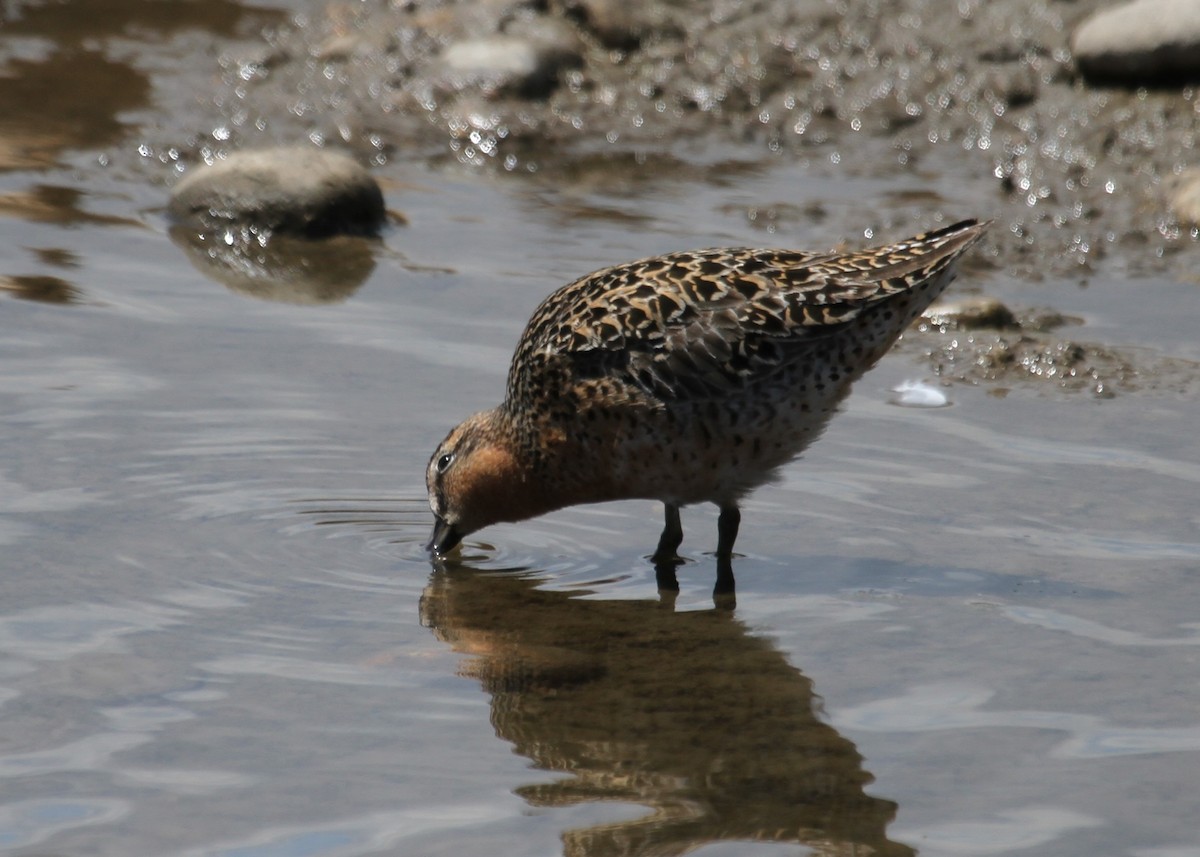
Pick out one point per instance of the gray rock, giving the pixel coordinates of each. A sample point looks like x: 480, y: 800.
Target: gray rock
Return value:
x: 1184, y: 196
x: 970, y: 313
x: 525, y: 65
x: 297, y: 190
x: 621, y: 24
x: 1016, y: 84
x: 340, y: 48
x: 1145, y: 41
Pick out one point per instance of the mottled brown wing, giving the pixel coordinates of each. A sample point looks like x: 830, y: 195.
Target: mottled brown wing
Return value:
x: 695, y: 325
x: 688, y: 326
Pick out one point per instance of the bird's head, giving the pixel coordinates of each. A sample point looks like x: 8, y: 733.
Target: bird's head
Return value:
x: 475, y: 479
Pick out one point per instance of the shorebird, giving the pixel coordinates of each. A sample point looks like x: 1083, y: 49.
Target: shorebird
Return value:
x: 685, y: 378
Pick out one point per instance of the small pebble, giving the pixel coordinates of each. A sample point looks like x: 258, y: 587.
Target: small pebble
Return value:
x: 918, y: 394
x: 1142, y: 42
x: 1184, y: 191
x: 621, y: 24
x: 971, y: 313
x: 525, y: 65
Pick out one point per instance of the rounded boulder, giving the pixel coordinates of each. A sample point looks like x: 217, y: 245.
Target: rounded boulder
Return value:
x: 295, y: 190
x: 1139, y: 43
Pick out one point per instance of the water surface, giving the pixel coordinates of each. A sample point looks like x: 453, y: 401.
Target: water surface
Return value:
x: 969, y: 630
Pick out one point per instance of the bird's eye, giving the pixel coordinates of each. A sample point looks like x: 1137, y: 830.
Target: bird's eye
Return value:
x: 444, y: 462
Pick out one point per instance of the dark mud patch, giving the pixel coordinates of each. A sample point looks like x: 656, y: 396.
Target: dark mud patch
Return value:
x: 990, y: 344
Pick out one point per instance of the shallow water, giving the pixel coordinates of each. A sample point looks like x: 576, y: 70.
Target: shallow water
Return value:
x: 965, y: 630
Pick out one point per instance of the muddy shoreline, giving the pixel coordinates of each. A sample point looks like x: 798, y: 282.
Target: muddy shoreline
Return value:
x: 586, y: 93
x: 1077, y: 176
x: 933, y: 112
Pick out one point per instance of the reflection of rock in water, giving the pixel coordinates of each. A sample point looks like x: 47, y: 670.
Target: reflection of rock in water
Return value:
x: 686, y: 713
x: 286, y: 269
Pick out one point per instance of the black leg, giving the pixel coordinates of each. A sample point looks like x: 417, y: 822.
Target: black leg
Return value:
x: 725, y: 586
x: 727, y: 530
x: 672, y: 536
x: 665, y: 557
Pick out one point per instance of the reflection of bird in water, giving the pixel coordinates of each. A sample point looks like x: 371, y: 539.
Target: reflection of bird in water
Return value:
x: 684, y: 378
x: 685, y: 713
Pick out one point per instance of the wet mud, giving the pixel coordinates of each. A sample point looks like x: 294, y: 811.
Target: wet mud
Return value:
x: 982, y: 103
x: 982, y: 97
x: 983, y: 92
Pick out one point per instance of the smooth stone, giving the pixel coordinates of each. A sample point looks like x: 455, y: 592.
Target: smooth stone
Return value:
x: 494, y: 55
x: 618, y: 23
x: 525, y: 65
x: 299, y: 190
x: 971, y: 313
x: 340, y: 48
x: 918, y: 394
x: 1145, y: 41
x: 1184, y: 190
x: 1016, y: 84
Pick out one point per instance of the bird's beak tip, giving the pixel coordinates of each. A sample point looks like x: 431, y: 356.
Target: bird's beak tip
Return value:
x: 443, y: 539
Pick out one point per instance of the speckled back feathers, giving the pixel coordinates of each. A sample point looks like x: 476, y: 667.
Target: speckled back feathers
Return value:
x: 701, y: 324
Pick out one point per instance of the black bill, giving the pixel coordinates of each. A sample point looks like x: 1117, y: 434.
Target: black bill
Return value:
x: 444, y: 538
